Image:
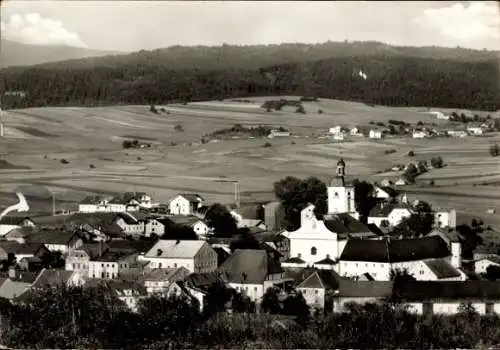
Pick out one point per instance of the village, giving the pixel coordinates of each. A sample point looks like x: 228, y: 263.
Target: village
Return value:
x: 138, y: 248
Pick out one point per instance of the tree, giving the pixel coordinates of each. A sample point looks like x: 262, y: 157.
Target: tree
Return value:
x: 494, y: 150
x: 295, y: 305
x: 411, y: 154
x: 294, y: 194
x: 363, y: 198
x: 242, y: 303
x: 178, y: 127
x: 126, y: 144
x: 53, y: 260
x: 221, y: 221
x: 270, y: 301
x: 217, y: 298
x: 245, y: 241
x: 401, y: 276
x: 437, y: 162
x: 175, y: 232
x: 422, y: 167
x: 493, y: 272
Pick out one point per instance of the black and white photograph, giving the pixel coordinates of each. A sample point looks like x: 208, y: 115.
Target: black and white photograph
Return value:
x: 249, y: 174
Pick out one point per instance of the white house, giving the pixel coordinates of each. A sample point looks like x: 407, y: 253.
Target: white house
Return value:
x: 426, y: 258
x: 384, y: 192
x: 391, y: 213
x: 196, y: 256
x: 198, y: 225
x: 440, y: 115
x: 446, y: 218
x: 476, y: 130
x: 446, y: 298
x: 420, y: 134
x: 457, y: 133
x: 319, y: 287
x: 93, y: 204
x: 355, y: 132
x: 341, y: 136
x: 482, y: 264
x: 56, y: 240
x: 252, y: 272
x: 110, y: 264
x: 185, y: 204
x: 8, y: 223
x: 157, y: 281
x: 335, y: 130
x: 375, y: 134
x: 136, y: 223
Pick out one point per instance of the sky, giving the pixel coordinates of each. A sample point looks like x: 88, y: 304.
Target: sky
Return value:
x: 134, y: 25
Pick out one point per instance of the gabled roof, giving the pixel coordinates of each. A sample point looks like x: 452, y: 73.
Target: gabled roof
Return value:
x: 129, y: 246
x: 127, y: 197
x: 182, y: 220
x: 204, y: 281
x: 266, y: 236
x: 493, y: 259
x: 294, y: 260
x: 249, y: 266
x: 19, y: 232
x: 11, y: 289
x: 111, y: 256
x: 191, y: 197
x: 94, y: 199
x: 326, y: 279
x: 13, y: 220
x: 46, y: 236
x: 390, y: 191
x: 442, y: 268
x: 384, y: 209
x: 347, y: 226
x: 449, y: 290
x: 18, y: 248
x: 175, y: 249
x: 326, y: 261
x: 127, y: 217
x: 169, y: 274
x: 52, y: 278
x: 365, y: 289
x: 397, y: 250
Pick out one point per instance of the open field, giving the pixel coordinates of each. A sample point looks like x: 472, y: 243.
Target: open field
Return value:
x: 40, y: 138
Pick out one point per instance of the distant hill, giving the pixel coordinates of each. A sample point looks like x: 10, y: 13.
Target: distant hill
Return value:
x: 257, y: 56
x: 395, y: 76
x: 17, y: 54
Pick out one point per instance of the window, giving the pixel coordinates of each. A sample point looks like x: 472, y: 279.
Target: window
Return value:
x: 255, y: 289
x: 490, y: 308
x: 316, y: 292
x: 159, y: 265
x: 314, y: 251
x: 175, y: 264
x: 74, y: 266
x: 421, y: 272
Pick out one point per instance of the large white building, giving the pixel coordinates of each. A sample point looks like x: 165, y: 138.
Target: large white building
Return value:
x: 185, y: 204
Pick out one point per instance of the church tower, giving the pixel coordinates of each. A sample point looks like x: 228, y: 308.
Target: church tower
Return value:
x: 340, y: 195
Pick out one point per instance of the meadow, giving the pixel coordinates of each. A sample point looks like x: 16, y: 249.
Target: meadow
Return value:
x: 90, y: 141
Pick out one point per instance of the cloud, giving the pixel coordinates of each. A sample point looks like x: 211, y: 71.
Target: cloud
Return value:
x: 477, y: 21
x: 32, y: 28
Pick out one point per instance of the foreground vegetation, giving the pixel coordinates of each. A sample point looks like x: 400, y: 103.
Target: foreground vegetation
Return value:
x: 95, y: 318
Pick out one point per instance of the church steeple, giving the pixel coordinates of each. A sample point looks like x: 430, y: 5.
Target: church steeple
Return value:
x: 341, y: 170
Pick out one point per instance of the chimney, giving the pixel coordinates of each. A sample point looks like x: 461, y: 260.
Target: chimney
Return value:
x: 456, y: 254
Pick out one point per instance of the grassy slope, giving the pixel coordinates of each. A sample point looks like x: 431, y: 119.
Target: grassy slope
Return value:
x: 87, y: 136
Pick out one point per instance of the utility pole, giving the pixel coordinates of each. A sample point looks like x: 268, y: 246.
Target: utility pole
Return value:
x: 237, y: 193
x: 53, y: 204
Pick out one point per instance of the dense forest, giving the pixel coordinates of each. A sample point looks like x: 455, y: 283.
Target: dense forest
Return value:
x: 391, y: 76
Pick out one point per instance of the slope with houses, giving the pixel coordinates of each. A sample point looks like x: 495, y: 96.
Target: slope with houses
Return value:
x: 123, y: 242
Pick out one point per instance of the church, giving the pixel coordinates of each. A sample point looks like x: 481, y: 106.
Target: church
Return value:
x: 317, y: 240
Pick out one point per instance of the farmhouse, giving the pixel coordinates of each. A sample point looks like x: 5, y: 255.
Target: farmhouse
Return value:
x: 93, y: 204
x: 8, y: 223
x: 390, y: 214
x: 128, y: 292
x: 277, y: 133
x: 457, y: 133
x: 375, y: 134
x: 361, y: 292
x: 56, y: 240
x: 19, y: 251
x: 110, y: 264
x: 429, y: 298
x: 139, y: 224
x: 420, y: 134
x: 440, y: 115
x: 252, y: 272
x: 199, y: 227
x: 196, y: 256
x: 78, y: 259
x: 481, y: 265
x: 319, y: 288
x: 158, y: 280
x: 185, y: 204
x: 427, y: 259
x: 384, y: 192
x: 276, y: 241
x: 446, y: 218
x: 476, y: 129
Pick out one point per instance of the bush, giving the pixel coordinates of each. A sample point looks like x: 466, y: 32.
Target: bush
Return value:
x: 320, y: 111
x: 267, y: 145
x: 153, y: 109
x: 64, y: 161
x: 178, y: 127
x: 411, y: 154
x: 390, y: 151
x: 139, y: 158
x: 432, y: 183
x: 127, y: 144
x: 494, y: 150
x: 92, y: 166
x: 300, y: 109
x: 437, y: 162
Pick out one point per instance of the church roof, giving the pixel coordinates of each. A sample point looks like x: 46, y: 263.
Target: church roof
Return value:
x: 344, y: 224
x: 326, y: 261
x: 392, y: 251
x: 294, y: 260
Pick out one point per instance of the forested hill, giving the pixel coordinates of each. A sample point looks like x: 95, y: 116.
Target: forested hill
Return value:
x: 391, y: 79
x: 258, y: 56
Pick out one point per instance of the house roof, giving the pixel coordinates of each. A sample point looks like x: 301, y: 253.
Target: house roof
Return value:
x: 266, y: 236
x: 397, y: 250
x: 294, y: 260
x: 298, y: 274
x: 94, y: 199
x: 365, y: 289
x: 169, y: 274
x: 11, y: 289
x: 390, y: 191
x: 51, y: 236
x: 179, y: 249
x: 442, y: 268
x: 347, y: 226
x: 104, y: 221
x: 181, y: 220
x: 384, y: 209
x: 203, y: 281
x: 327, y: 279
x: 128, y: 218
x: 127, y: 197
x: 94, y: 248
x: 249, y: 223
x: 191, y: 197
x: 493, y: 259
x: 129, y: 245
x: 326, y: 261
x: 249, y: 266
x: 51, y: 278
x: 18, y: 248
x: 111, y: 256
x: 21, y: 276
x: 19, y: 232
x: 449, y: 290
x: 13, y: 220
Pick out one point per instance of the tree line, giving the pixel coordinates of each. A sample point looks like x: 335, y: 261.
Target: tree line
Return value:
x: 391, y: 80
x: 79, y: 317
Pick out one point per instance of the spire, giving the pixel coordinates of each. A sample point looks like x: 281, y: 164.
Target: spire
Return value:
x: 341, y: 169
